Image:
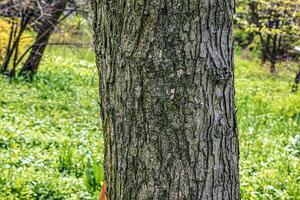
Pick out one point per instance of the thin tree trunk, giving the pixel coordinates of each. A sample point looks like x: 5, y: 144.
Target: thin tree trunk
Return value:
x: 167, y: 99
x: 253, y: 19
x: 31, y: 65
x: 273, y: 67
x: 45, y: 29
x: 265, y: 48
x: 15, y: 35
x: 296, y: 82
x: 274, y: 55
x: 8, y: 48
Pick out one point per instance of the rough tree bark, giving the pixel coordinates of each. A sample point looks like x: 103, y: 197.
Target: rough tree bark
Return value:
x: 44, y: 30
x: 167, y: 98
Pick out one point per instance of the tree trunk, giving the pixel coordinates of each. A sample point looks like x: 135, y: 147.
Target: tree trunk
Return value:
x: 253, y: 18
x: 273, y: 56
x: 273, y: 67
x: 31, y: 65
x: 45, y: 29
x: 14, y: 40
x: 167, y: 99
x: 296, y: 82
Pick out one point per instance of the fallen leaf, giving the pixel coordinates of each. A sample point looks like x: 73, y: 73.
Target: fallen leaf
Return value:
x: 102, y: 195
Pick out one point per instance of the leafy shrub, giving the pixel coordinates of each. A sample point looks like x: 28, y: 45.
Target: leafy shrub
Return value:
x: 295, y: 145
x: 66, y: 157
x: 75, y: 29
x: 5, y: 29
x: 94, y: 175
x: 241, y: 37
x: 275, y: 23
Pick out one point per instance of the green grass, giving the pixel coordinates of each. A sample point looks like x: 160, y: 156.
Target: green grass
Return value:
x: 269, y: 126
x: 51, y: 145
x: 49, y: 130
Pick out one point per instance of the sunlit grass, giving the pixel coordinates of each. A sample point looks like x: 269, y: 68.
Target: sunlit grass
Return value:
x: 269, y: 121
x: 49, y: 129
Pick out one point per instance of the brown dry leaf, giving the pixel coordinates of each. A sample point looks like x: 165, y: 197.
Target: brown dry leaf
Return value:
x: 102, y: 195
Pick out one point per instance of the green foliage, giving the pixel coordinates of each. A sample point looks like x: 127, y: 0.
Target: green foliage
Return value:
x: 51, y: 146
x: 66, y: 157
x: 94, y: 176
x: 241, y: 37
x: 49, y: 128
x: 271, y: 17
x: 75, y: 29
x: 295, y: 142
x: 5, y: 29
x: 274, y: 25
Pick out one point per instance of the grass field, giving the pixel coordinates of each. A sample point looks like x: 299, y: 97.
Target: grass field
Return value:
x: 51, y: 145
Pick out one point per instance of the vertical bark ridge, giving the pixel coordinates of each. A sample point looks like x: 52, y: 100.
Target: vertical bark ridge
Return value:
x: 167, y: 98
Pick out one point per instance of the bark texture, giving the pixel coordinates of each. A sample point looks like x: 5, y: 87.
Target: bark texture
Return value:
x: 167, y: 98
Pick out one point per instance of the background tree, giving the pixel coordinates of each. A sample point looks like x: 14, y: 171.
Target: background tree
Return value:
x: 167, y: 98
x: 41, y: 16
x: 46, y: 25
x: 18, y: 14
x: 296, y: 82
x: 276, y: 23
